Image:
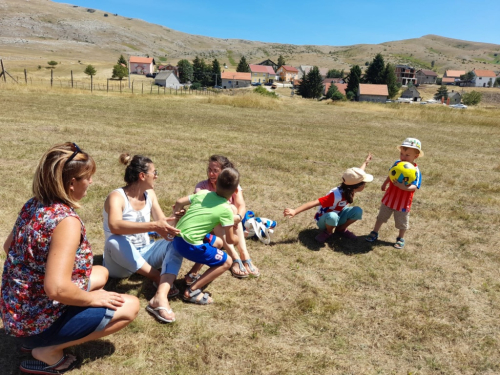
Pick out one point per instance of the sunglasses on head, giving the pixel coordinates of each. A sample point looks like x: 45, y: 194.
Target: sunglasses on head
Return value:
x: 77, y: 150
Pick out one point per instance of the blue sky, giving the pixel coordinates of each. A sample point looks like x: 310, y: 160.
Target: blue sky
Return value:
x: 335, y: 23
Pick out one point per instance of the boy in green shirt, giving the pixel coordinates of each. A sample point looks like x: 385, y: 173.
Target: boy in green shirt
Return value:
x: 207, y: 210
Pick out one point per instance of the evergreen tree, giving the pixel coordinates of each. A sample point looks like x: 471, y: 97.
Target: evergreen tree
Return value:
x: 90, y: 70
x: 281, y: 61
x: 391, y: 80
x: 311, y: 85
x: 334, y: 93
x: 353, y: 80
x: 119, y: 71
x: 375, y: 71
x: 216, y: 72
x: 185, y: 71
x: 334, y: 73
x: 442, y: 92
x: 469, y: 76
x: 198, y: 70
x: 243, y: 66
x: 122, y: 60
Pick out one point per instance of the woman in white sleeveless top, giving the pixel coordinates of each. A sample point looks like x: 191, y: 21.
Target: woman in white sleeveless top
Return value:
x: 127, y: 220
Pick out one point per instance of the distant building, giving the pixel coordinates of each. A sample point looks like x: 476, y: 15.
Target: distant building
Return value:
x: 411, y: 93
x: 235, y: 80
x: 372, y: 93
x: 141, y: 65
x: 262, y: 73
x: 287, y: 73
x: 167, y: 79
x: 451, y: 77
x: 171, y: 67
x: 454, y: 98
x: 340, y: 86
x: 406, y: 74
x: 482, y: 78
x: 425, y: 76
x: 270, y: 63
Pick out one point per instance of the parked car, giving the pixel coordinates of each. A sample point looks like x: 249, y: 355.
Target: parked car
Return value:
x: 151, y: 75
x: 268, y: 84
x: 256, y: 84
x: 274, y: 86
x: 459, y: 106
x: 217, y: 87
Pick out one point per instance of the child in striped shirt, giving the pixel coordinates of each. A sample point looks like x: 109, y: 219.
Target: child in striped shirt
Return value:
x: 398, y: 197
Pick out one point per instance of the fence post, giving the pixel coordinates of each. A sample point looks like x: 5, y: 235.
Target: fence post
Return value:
x: 151, y: 89
x: 51, y: 77
x: 91, y: 83
x: 158, y: 90
x: 132, y: 87
x: 71, y: 79
x: 120, y: 86
x: 107, y: 85
x: 25, y: 77
x: 142, y: 88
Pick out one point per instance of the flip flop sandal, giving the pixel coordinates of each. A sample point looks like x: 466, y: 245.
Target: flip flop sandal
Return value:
x: 156, y: 312
x: 400, y: 243
x: 193, y: 297
x: 39, y: 367
x: 242, y: 269
x: 193, y: 277
x: 253, y: 271
x: 372, y: 237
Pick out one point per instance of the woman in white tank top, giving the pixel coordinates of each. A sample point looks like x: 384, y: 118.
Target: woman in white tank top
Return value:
x: 127, y: 220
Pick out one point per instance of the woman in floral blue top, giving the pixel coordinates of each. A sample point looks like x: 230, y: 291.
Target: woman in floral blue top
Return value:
x: 52, y: 295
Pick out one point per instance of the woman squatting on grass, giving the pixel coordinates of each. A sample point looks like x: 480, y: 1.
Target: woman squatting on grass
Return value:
x: 52, y: 295
x: 333, y: 213
x: 127, y: 250
x: 241, y: 267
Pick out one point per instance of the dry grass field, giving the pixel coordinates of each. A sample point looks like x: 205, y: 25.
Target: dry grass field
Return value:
x: 348, y: 307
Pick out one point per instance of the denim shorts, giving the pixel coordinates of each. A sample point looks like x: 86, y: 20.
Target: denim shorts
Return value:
x: 205, y: 253
x: 74, y: 324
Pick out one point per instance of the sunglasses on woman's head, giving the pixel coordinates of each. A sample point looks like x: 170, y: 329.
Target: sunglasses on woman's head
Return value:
x: 77, y: 150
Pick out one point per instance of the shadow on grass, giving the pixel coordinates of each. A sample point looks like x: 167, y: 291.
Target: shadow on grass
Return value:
x: 11, y: 355
x: 339, y: 244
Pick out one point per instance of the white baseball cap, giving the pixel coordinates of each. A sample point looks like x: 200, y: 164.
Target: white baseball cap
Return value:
x: 353, y: 176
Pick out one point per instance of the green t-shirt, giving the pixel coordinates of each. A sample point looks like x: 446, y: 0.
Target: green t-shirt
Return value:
x: 207, y: 210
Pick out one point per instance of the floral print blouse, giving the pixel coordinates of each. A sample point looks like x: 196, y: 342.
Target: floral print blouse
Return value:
x: 26, y: 309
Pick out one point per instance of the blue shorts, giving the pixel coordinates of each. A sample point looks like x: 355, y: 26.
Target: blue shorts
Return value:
x: 205, y: 253
x: 74, y: 324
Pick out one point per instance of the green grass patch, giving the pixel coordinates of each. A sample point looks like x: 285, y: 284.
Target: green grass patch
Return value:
x: 413, y: 61
x: 231, y: 59
x: 131, y: 46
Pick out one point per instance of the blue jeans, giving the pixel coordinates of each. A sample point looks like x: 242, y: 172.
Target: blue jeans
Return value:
x: 122, y: 259
x: 334, y: 220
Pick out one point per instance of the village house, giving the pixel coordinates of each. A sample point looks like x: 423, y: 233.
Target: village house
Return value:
x: 483, y: 78
x: 454, y: 98
x: 287, y: 73
x: 411, y: 93
x: 372, y: 93
x: 235, y: 80
x: 141, y: 65
x: 406, y: 74
x: 171, y: 67
x: 452, y: 76
x: 167, y: 79
x: 270, y: 63
x: 340, y: 86
x: 425, y: 76
x: 262, y: 73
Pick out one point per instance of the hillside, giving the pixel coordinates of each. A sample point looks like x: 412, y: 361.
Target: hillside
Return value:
x: 33, y: 31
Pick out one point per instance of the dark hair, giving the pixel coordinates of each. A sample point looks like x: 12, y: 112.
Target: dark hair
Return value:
x: 222, y: 160
x: 135, y: 165
x: 227, y: 182
x: 349, y: 190
x: 55, y: 171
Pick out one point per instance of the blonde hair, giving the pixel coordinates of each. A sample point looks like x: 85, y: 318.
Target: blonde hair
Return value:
x: 55, y: 171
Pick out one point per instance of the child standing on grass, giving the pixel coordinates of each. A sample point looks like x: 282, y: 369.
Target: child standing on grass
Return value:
x: 207, y: 210
x: 333, y: 213
x: 398, y: 197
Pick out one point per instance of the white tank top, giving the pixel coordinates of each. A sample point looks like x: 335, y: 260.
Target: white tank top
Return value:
x: 139, y: 240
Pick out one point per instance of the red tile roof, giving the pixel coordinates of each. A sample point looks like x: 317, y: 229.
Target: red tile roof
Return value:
x: 454, y: 73
x: 141, y: 60
x: 448, y: 79
x: 341, y: 86
x: 261, y: 69
x: 289, y: 68
x: 368, y: 89
x: 237, y: 75
x: 484, y: 73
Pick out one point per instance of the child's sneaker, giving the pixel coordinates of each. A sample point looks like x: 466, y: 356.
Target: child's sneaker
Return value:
x: 348, y: 234
x: 372, y: 237
x: 323, y: 236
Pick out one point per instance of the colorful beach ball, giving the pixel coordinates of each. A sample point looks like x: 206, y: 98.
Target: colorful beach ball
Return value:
x: 403, y: 172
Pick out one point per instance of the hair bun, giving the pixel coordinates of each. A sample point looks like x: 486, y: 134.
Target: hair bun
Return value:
x: 125, y: 159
